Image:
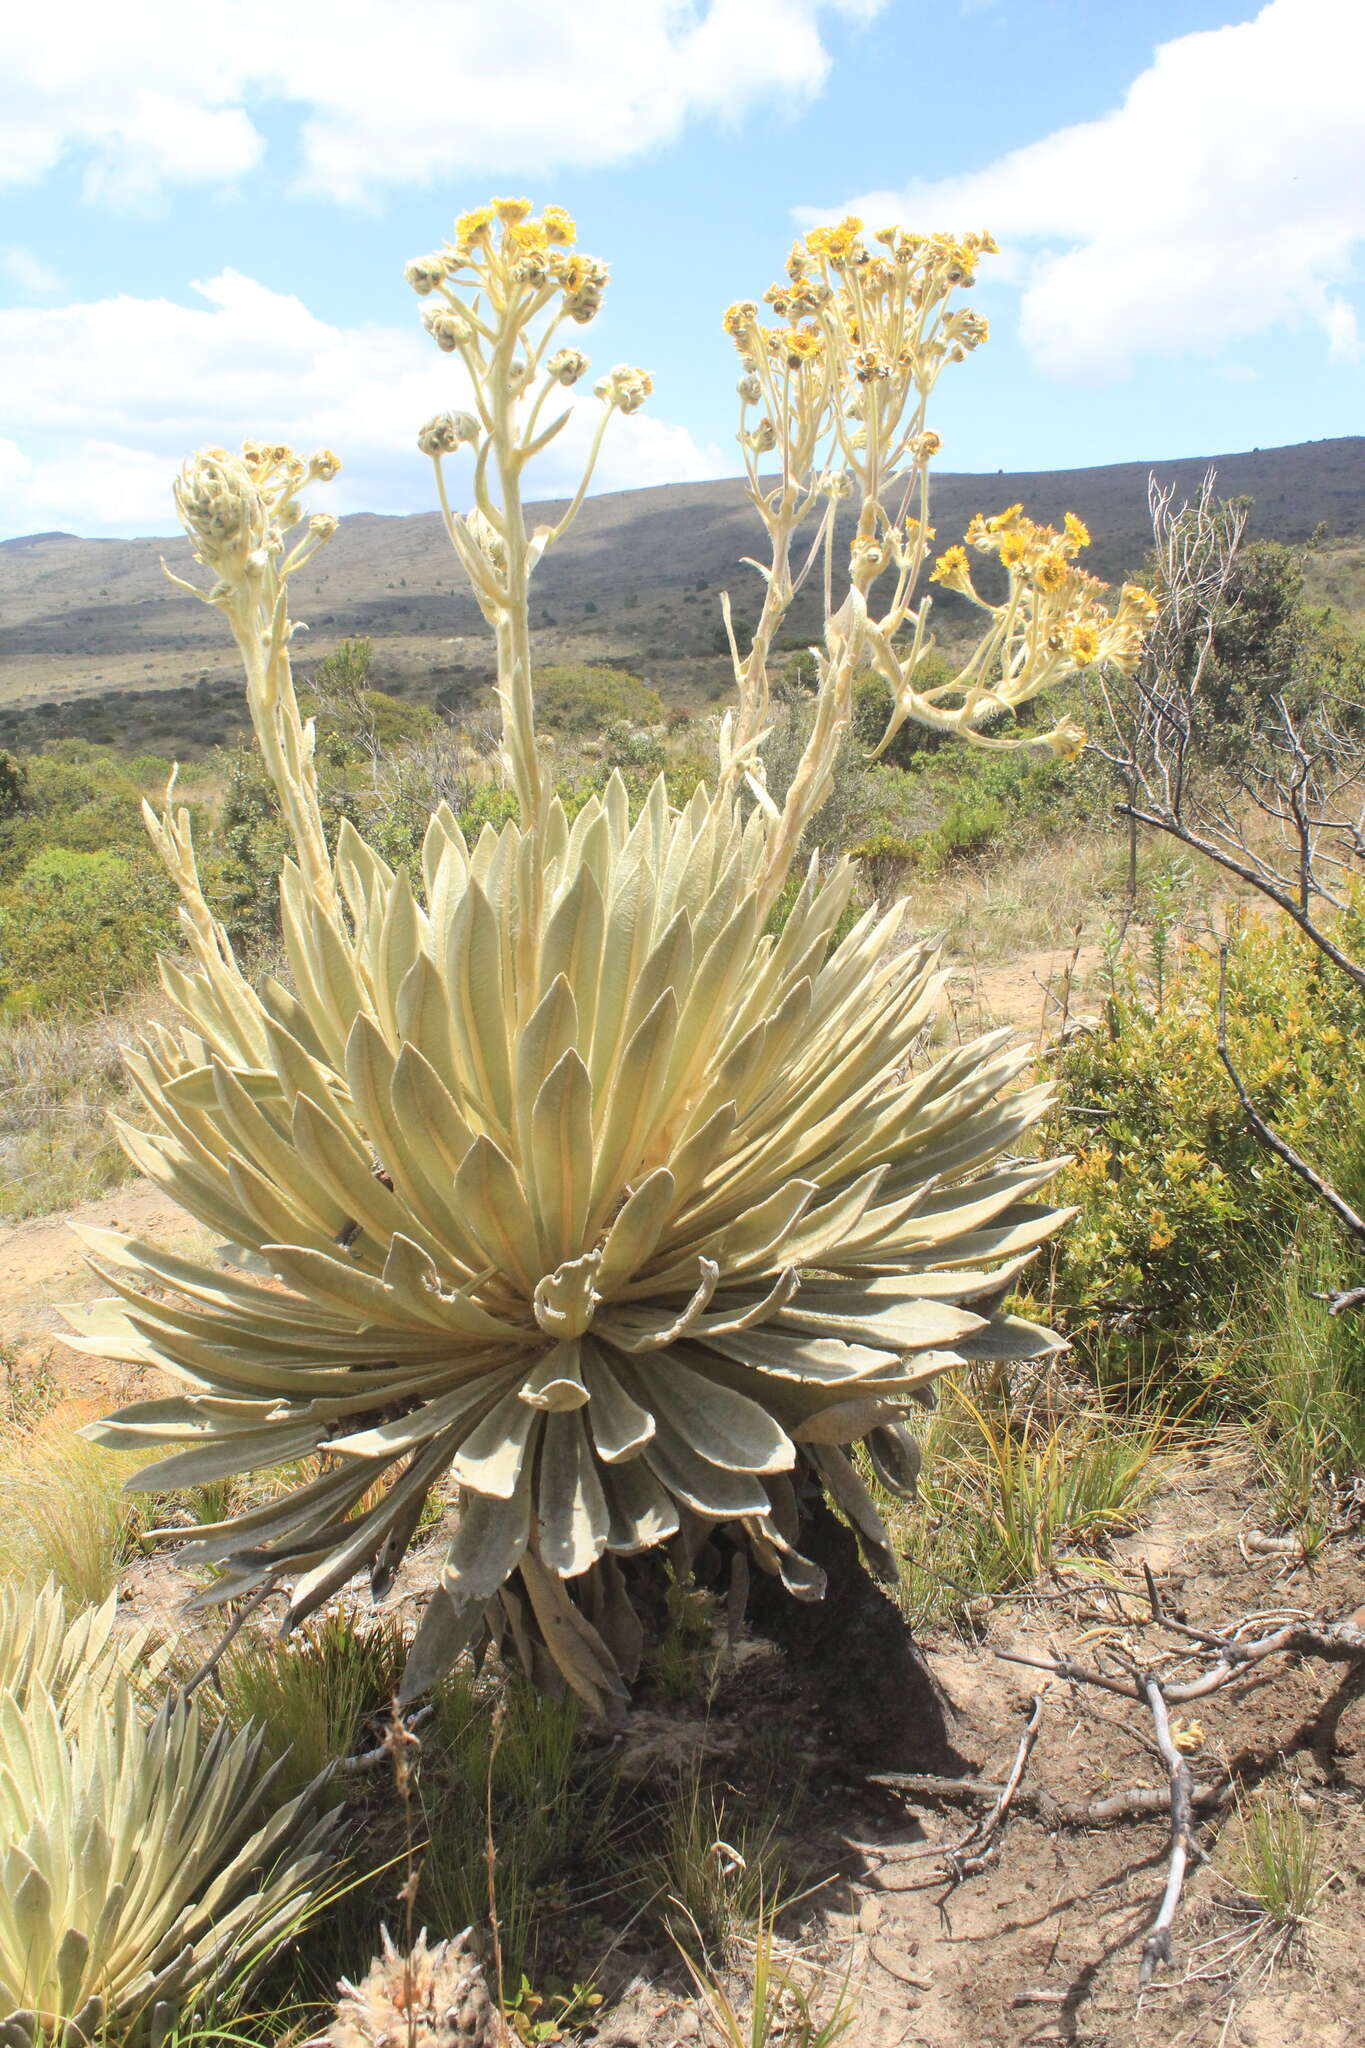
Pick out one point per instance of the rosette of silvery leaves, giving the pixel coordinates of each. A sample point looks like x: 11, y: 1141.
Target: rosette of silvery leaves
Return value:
x: 563, y: 1175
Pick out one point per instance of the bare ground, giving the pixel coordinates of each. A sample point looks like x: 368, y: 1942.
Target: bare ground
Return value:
x: 1043, y: 1945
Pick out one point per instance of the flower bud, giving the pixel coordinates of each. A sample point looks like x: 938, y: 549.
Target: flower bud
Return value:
x: 424, y: 273
x: 221, y: 508
x: 567, y: 365
x: 323, y: 466
x: 750, y: 389
x: 444, y: 432
x: 447, y: 328
x: 625, y: 388
x: 323, y: 524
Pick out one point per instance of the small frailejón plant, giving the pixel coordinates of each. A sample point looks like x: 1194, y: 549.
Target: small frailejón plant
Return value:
x: 143, y: 1862
x: 571, y: 1176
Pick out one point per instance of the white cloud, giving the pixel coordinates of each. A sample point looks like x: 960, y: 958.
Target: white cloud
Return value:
x: 27, y: 273
x: 1224, y: 196
x: 108, y: 397
x: 390, y: 91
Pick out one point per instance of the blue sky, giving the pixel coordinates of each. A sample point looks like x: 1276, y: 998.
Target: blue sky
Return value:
x: 206, y: 213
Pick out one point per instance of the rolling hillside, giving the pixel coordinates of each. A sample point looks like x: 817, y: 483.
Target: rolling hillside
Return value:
x: 636, y: 583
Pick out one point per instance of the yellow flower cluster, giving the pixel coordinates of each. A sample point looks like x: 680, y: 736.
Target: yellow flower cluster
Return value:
x: 864, y: 332
x: 1060, y: 602
x: 861, y: 327
x: 505, y: 245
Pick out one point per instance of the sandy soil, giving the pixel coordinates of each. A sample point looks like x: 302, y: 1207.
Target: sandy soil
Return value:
x: 1043, y: 1945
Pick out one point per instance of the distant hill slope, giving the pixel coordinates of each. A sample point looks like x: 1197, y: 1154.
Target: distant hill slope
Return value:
x: 635, y: 582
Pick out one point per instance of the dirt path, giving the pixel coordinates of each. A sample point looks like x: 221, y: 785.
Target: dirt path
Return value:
x: 42, y: 1261
x: 1028, y: 993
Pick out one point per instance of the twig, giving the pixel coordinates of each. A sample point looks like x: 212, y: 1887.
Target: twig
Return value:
x: 983, y: 1838
x: 1337, y: 1642
x: 374, y: 1759
x: 228, y: 1637
x: 1132, y: 1802
x: 1156, y: 1948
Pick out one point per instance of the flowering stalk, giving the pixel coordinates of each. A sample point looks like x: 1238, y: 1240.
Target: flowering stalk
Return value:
x: 841, y: 390
x: 499, y: 293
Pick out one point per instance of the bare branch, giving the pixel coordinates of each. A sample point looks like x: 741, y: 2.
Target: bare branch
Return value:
x: 1157, y: 1946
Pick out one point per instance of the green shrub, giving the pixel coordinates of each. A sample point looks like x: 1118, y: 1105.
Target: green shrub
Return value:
x: 74, y: 795
x: 884, y: 858
x: 586, y: 697
x: 1180, y: 1206
x: 78, y: 930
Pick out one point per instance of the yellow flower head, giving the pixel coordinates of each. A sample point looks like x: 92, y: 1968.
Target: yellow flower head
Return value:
x: 511, y: 211
x: 1077, y: 532
x: 836, y: 245
x: 472, y: 228
x: 738, y: 319
x: 1139, y: 600
x: 1085, y: 642
x: 1067, y: 740
x: 998, y: 522
x: 951, y: 568
x: 558, y: 225
x: 1013, y: 549
x: 802, y: 345
x: 529, y: 238
x: 1051, y: 571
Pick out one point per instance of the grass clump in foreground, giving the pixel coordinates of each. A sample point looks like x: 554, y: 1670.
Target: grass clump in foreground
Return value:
x: 781, y: 2009
x: 64, y: 1514
x: 1297, y: 1373
x: 1276, y: 1859
x: 59, y: 1079
x: 1006, y: 1492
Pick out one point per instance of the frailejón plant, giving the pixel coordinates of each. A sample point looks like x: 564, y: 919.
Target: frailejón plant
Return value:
x: 43, y: 1648
x: 568, y: 1172
x: 141, y: 1859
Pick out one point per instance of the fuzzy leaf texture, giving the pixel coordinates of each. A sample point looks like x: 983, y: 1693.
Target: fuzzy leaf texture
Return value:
x: 140, y: 1858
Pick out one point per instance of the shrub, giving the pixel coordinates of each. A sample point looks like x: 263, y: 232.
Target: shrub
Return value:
x: 1179, y: 1205
x: 79, y: 930
x: 585, y: 698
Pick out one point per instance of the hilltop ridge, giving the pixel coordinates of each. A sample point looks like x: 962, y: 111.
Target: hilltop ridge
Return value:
x: 636, y: 581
